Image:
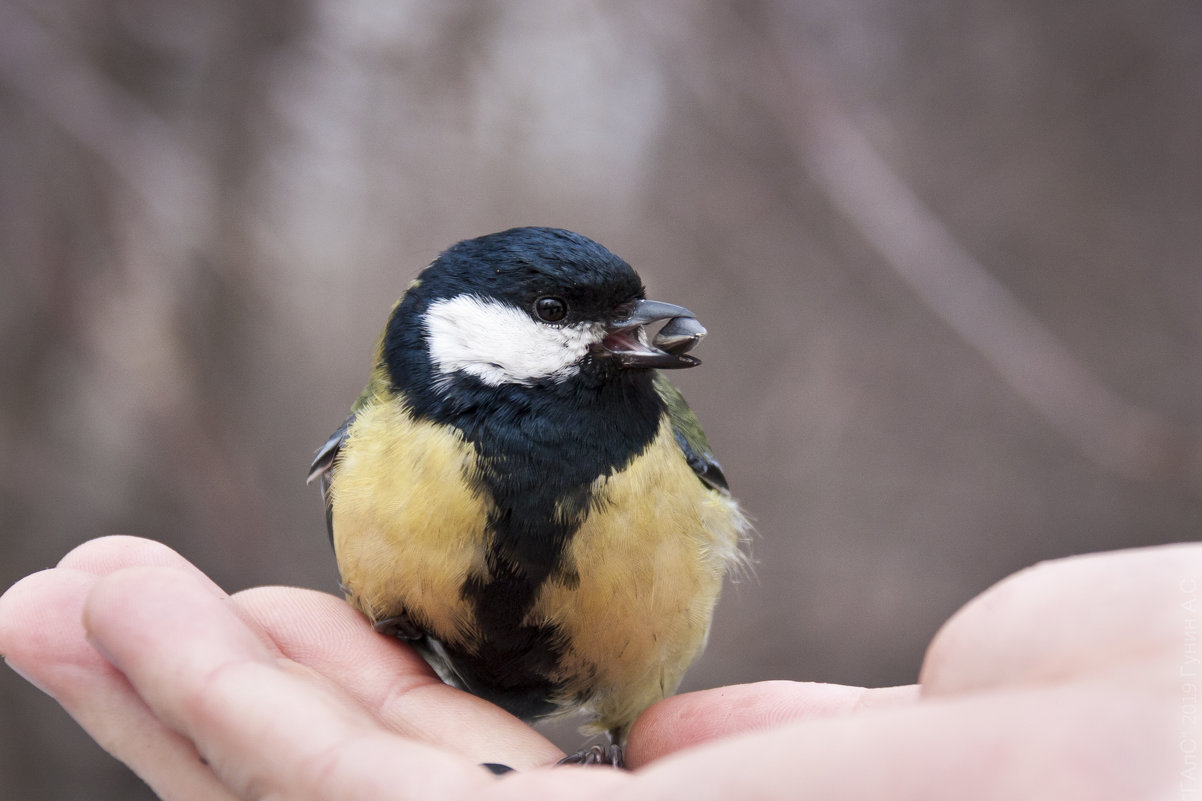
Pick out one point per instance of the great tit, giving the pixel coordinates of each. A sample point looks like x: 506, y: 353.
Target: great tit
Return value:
x: 520, y: 495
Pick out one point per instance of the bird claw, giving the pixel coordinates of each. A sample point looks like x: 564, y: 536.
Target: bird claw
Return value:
x: 496, y: 768
x: 597, y: 755
x: 399, y: 626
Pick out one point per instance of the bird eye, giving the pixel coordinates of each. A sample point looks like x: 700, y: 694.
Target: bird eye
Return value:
x: 551, y: 309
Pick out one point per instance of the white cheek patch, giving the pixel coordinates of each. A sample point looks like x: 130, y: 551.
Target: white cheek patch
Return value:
x: 499, y: 344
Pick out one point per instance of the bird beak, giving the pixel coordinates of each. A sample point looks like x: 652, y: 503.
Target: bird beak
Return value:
x: 626, y: 339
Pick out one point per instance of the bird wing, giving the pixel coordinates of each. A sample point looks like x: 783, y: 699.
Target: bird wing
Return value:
x: 323, y: 468
x: 324, y: 463
x: 690, y: 436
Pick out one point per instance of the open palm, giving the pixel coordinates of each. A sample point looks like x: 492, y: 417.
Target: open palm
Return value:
x: 1058, y: 683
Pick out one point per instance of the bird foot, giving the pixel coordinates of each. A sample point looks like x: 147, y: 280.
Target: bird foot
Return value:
x: 597, y: 755
x: 496, y: 768
x: 399, y: 626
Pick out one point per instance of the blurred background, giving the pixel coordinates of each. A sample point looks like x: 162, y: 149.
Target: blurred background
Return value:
x: 948, y: 253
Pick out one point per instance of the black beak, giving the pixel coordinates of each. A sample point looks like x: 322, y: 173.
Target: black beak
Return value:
x: 626, y: 341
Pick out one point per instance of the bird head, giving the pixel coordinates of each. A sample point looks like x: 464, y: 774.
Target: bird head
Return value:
x: 531, y: 306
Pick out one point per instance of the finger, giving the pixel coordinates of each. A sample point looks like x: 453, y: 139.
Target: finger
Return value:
x: 388, y: 678
x: 1058, y: 619
x: 693, y: 718
x: 42, y: 638
x: 269, y: 727
x: 1039, y: 744
x: 106, y: 555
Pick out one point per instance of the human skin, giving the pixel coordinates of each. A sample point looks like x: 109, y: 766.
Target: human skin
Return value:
x: 1068, y: 680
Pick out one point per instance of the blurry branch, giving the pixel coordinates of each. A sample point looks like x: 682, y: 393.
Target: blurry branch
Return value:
x: 957, y: 288
x: 912, y: 240
x: 137, y: 145
x: 142, y: 374
x: 927, y: 256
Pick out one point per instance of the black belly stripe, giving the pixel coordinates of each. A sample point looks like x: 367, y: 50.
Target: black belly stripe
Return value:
x: 539, y: 450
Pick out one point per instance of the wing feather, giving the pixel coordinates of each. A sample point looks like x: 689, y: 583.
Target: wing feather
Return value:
x: 691, y: 437
x: 323, y: 467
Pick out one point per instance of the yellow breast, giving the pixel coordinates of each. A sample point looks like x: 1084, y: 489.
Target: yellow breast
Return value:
x: 650, y: 559
x: 409, y: 519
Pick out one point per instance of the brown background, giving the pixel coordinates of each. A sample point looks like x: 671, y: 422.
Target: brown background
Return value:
x: 948, y: 253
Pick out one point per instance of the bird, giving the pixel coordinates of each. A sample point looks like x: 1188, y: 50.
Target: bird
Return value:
x: 521, y: 495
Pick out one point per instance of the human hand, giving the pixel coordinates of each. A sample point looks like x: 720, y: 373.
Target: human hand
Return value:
x: 1062, y: 682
